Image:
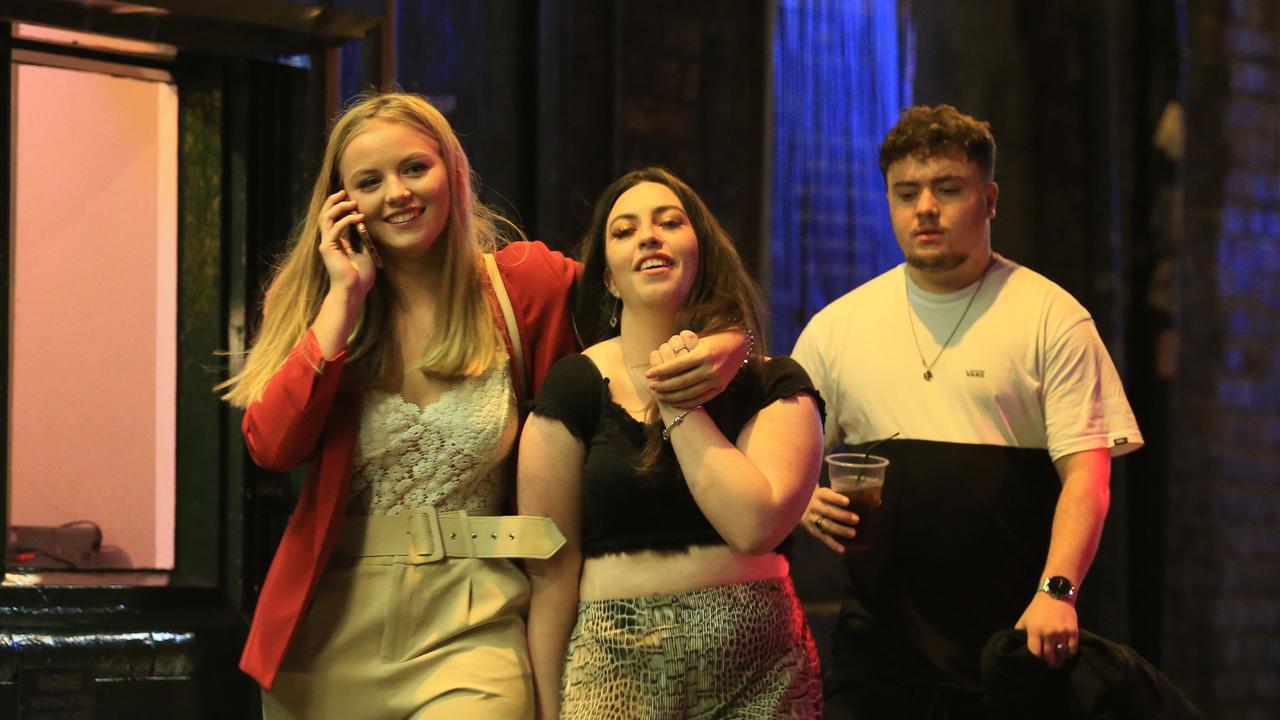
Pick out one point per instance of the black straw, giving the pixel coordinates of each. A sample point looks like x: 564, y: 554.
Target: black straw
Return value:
x: 866, y: 452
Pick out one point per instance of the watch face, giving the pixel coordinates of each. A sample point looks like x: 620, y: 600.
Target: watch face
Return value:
x: 1059, y: 587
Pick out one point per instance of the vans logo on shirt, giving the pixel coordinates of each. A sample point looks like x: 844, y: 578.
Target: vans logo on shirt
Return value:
x: 975, y: 373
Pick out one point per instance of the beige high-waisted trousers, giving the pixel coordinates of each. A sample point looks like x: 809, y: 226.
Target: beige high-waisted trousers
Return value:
x: 443, y: 640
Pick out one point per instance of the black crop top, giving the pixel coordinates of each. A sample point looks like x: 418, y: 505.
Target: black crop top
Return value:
x: 622, y: 512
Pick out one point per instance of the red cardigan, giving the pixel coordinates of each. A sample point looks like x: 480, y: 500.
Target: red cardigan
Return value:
x: 302, y: 417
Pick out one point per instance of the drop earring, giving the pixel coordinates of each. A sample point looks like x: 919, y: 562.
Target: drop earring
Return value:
x: 613, y: 317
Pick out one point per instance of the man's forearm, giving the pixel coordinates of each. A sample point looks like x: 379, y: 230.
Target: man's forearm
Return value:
x: 1080, y: 515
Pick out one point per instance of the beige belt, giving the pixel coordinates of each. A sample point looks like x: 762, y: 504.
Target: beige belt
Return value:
x: 426, y: 536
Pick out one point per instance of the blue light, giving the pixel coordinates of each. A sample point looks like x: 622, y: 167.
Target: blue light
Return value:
x: 841, y: 76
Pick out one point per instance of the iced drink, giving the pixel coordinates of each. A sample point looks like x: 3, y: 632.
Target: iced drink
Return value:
x: 859, y: 477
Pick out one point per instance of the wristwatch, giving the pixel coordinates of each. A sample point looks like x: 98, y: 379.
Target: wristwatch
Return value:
x: 1059, y: 588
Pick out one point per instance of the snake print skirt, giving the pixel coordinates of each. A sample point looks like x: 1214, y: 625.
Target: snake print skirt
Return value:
x: 734, y: 651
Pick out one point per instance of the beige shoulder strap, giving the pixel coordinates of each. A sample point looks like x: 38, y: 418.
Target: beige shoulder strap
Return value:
x: 513, y: 330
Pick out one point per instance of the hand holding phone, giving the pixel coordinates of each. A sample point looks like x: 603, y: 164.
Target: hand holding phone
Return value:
x: 349, y: 268
x: 358, y: 236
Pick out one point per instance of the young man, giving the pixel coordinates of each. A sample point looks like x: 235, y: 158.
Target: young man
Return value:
x: 1007, y: 410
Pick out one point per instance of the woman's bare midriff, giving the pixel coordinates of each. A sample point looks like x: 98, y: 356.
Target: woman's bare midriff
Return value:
x: 637, y: 574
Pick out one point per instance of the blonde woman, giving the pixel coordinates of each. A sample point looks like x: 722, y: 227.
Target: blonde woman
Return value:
x: 389, y: 366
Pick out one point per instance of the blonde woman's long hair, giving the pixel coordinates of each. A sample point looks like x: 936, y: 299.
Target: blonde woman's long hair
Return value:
x: 466, y: 341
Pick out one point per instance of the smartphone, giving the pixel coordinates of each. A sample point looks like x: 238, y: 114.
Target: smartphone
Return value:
x: 360, y: 238
x: 357, y: 234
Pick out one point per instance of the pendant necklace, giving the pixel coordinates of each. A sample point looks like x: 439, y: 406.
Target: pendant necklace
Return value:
x: 928, y: 366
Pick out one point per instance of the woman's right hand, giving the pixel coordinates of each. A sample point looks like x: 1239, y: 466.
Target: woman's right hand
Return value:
x: 349, y: 271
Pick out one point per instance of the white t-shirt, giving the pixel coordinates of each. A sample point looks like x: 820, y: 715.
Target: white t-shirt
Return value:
x: 1025, y: 368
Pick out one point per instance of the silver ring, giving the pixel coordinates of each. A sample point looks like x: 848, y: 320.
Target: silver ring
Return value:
x: 818, y: 524
x: 1060, y: 647
x: 682, y: 347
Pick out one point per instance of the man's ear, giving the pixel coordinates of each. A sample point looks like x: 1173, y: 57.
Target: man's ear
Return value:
x: 992, y: 194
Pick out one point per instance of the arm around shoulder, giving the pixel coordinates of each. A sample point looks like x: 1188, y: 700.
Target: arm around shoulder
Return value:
x: 539, y: 282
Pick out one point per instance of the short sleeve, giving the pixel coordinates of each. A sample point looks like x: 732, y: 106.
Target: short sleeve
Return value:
x: 572, y: 393
x: 1085, y: 403
x: 812, y: 358
x: 783, y: 377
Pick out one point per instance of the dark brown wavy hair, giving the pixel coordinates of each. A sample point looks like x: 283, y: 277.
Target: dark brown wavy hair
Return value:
x: 925, y: 132
x: 723, y: 295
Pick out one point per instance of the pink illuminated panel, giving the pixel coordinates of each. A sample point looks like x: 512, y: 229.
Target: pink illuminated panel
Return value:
x: 94, y: 285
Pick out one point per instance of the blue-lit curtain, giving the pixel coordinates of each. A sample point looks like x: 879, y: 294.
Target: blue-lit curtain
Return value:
x: 841, y: 76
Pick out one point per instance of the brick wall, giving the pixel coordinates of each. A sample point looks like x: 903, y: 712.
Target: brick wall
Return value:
x: 1222, y: 635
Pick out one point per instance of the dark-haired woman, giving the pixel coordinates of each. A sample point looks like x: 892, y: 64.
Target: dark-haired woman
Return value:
x: 670, y: 598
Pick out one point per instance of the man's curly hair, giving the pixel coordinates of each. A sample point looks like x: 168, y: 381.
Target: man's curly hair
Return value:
x: 924, y: 132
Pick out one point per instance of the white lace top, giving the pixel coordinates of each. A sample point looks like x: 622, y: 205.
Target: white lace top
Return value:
x: 448, y: 454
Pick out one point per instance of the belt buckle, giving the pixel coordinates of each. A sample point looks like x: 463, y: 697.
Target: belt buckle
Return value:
x: 424, y: 528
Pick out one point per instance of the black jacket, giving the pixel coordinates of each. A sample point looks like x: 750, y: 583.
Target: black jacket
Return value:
x: 1105, y: 681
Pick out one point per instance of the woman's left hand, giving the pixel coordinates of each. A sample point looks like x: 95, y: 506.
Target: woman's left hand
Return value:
x: 688, y: 371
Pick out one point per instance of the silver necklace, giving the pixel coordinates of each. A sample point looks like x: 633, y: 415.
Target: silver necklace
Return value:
x: 928, y: 366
